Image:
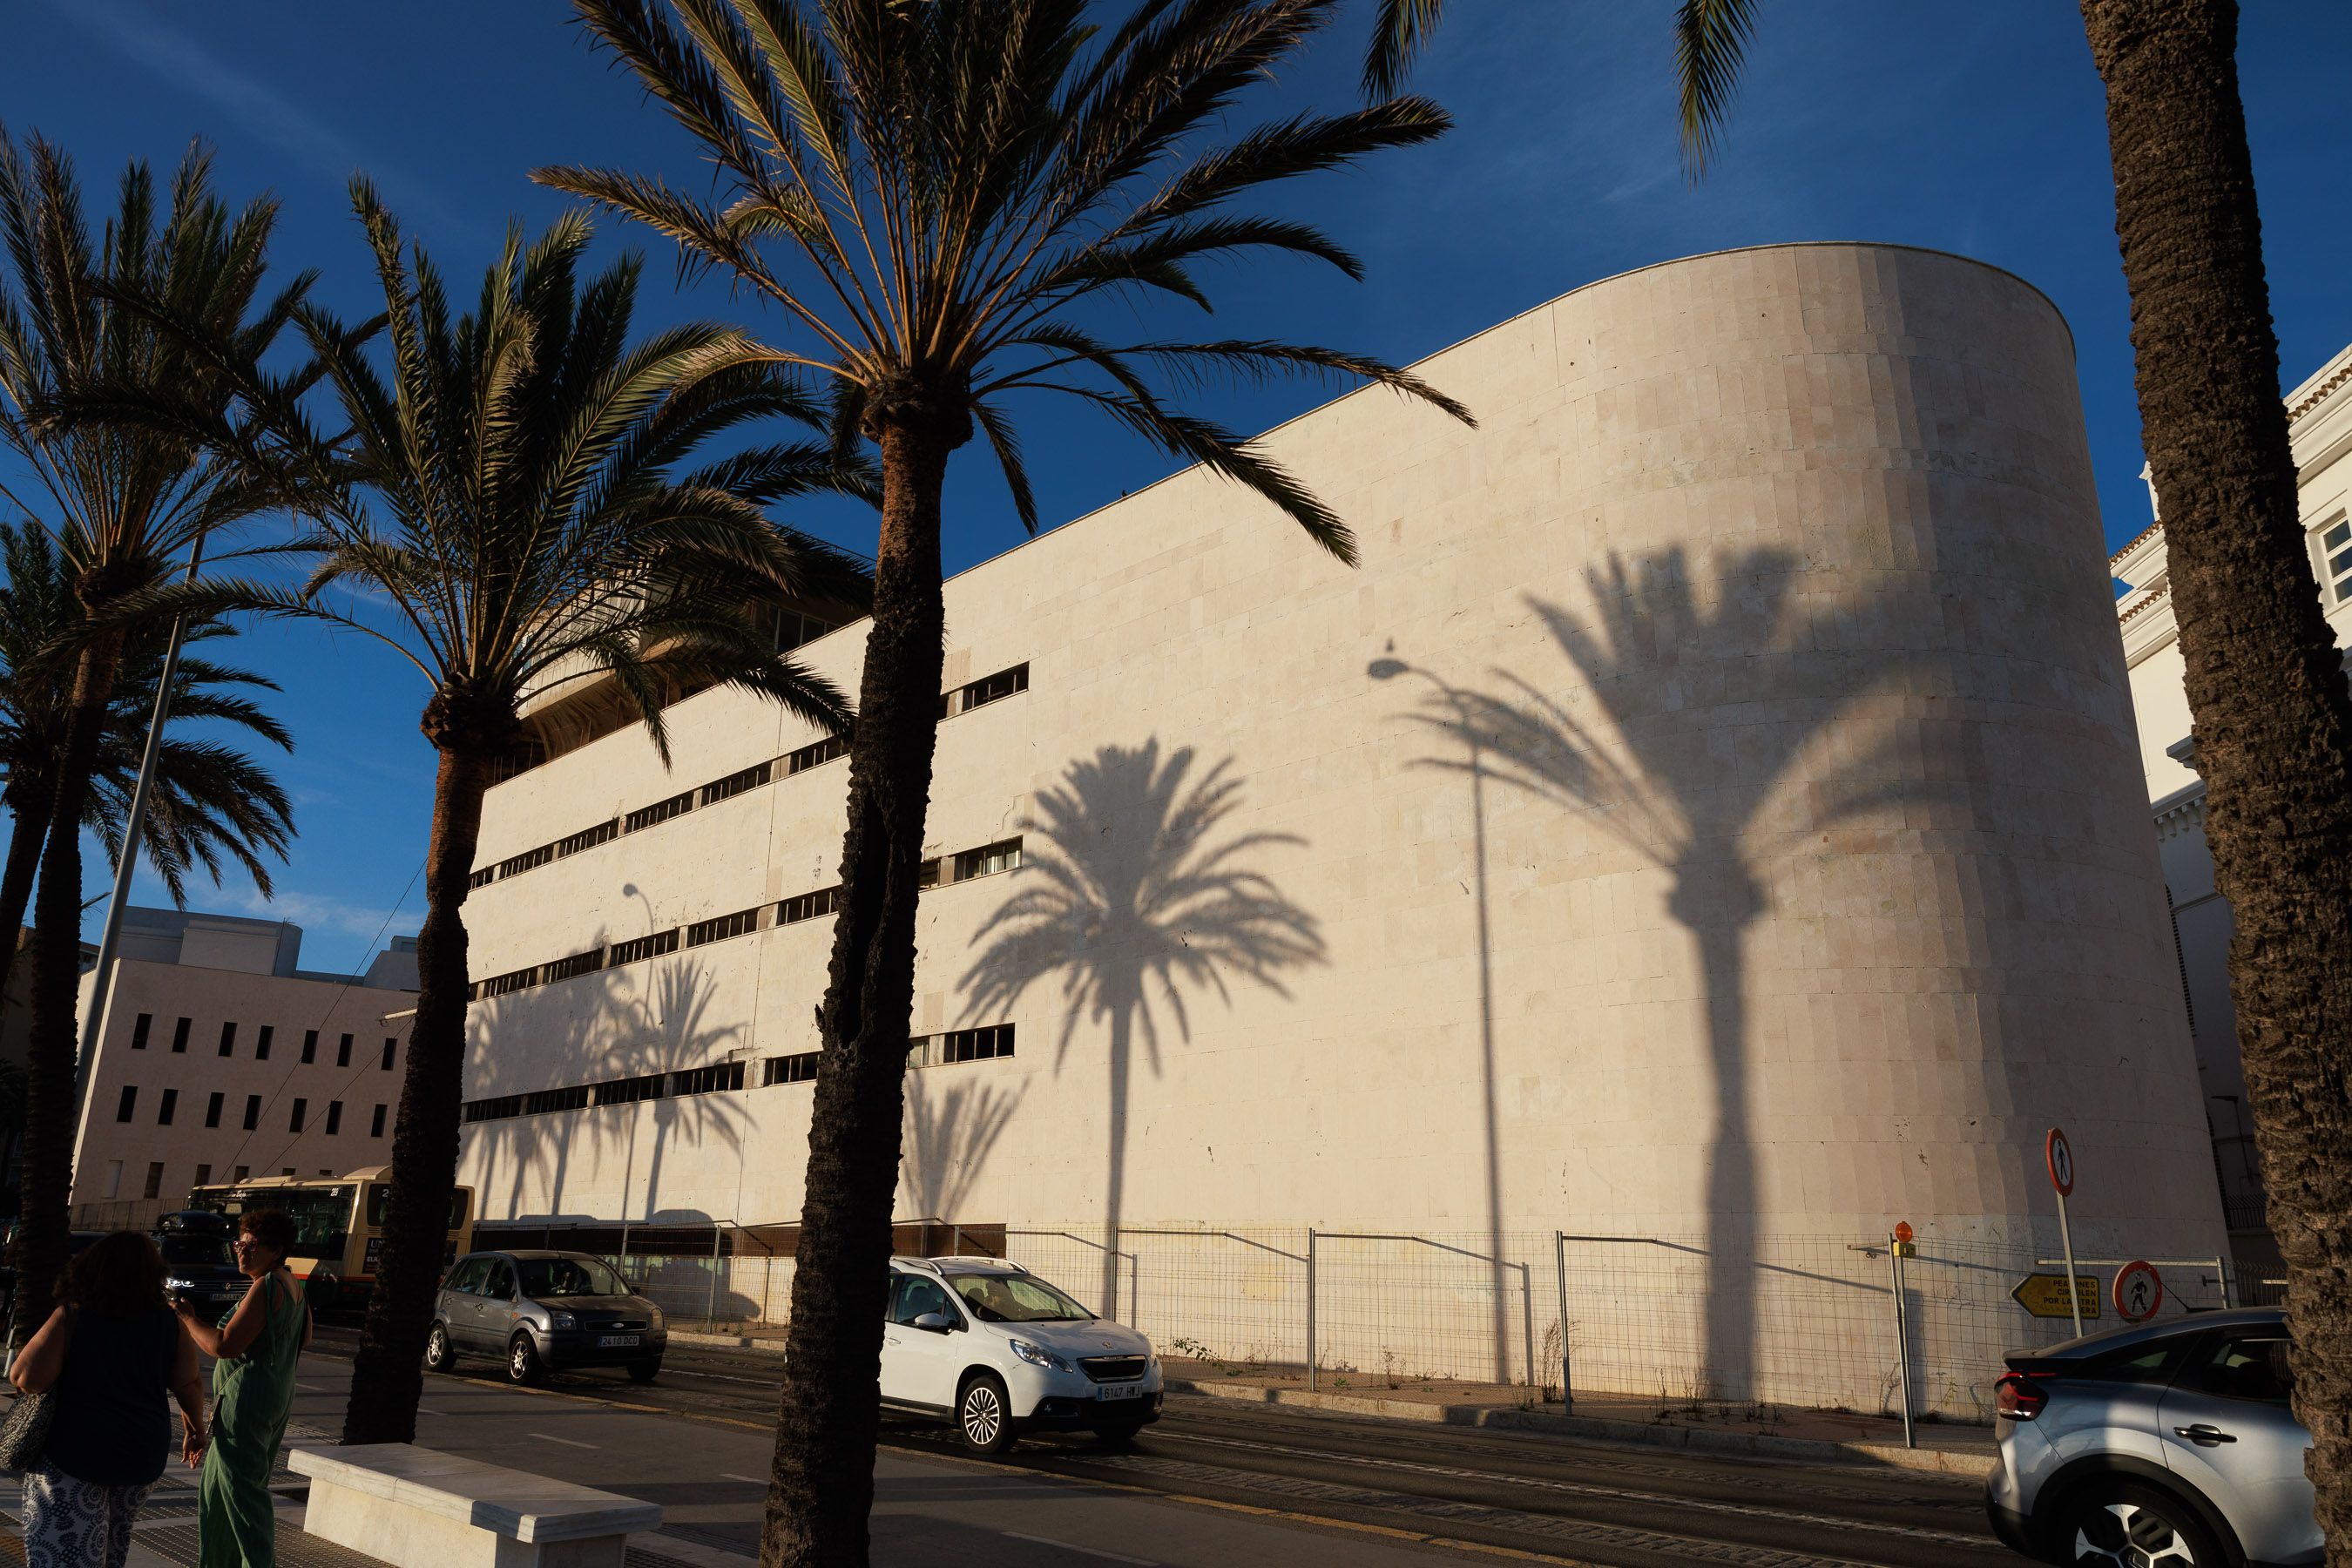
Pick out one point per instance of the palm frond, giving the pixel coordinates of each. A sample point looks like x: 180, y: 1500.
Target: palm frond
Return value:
x: 1711, y: 39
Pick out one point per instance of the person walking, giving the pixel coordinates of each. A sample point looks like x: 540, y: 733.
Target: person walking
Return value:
x: 255, y: 1344
x: 106, y: 1357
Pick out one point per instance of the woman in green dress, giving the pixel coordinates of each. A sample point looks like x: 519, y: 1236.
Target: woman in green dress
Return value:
x: 253, y: 1389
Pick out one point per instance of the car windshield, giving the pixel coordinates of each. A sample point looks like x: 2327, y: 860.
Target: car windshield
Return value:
x: 546, y: 1276
x: 196, y: 1252
x: 1015, y: 1298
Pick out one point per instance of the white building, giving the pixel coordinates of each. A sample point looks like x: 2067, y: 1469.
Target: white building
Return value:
x: 1696, y: 822
x: 2320, y: 416
x: 222, y: 1057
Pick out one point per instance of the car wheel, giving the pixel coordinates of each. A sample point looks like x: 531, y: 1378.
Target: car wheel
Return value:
x: 645, y: 1371
x: 1116, y: 1434
x: 522, y: 1361
x: 2134, y: 1526
x: 984, y: 1416
x: 438, y: 1356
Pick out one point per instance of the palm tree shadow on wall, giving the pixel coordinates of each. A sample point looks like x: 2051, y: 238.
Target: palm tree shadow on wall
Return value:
x: 950, y: 1135
x: 1676, y: 768
x: 1135, y: 889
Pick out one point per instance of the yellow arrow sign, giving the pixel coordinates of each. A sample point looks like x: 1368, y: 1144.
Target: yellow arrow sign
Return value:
x: 2044, y: 1294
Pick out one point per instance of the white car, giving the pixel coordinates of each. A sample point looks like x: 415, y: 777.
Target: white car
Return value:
x: 989, y: 1346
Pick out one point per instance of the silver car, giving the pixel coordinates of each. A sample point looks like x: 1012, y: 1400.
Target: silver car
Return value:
x: 2164, y: 1445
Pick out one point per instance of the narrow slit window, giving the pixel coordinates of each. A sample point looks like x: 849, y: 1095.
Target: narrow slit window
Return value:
x: 261, y: 1042
x: 660, y: 811
x: 138, y: 1030
x: 228, y: 1040
x: 816, y: 754
x: 213, y: 1111
x: 2335, y: 559
x: 988, y: 859
x: 653, y: 946
x: 170, y: 1105
x: 180, y: 1034
x: 739, y: 923
x: 797, y: 1068
x: 808, y: 906
x: 736, y: 784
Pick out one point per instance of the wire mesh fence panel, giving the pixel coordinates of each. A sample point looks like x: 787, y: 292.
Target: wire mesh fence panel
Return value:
x: 1433, y: 1307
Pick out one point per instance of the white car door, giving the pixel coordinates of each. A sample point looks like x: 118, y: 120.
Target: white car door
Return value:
x: 920, y: 1365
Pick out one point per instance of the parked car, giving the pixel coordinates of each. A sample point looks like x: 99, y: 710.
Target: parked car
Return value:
x: 199, y: 1266
x: 988, y: 1346
x: 534, y: 1310
x: 2166, y: 1444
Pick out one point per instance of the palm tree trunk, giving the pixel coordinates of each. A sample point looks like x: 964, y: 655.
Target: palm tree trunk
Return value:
x: 387, y: 1374
x: 2265, y: 683
x: 54, y: 1041
x: 29, y: 803
x: 821, y: 1486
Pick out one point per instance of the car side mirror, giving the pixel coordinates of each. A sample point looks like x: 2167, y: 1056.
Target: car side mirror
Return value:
x: 936, y: 1322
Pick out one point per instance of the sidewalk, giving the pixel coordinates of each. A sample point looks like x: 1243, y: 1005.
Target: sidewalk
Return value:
x: 710, y: 1477
x: 1773, y: 1430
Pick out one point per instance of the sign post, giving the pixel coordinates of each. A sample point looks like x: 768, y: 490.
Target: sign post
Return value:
x: 2058, y: 1155
x: 1900, y: 1247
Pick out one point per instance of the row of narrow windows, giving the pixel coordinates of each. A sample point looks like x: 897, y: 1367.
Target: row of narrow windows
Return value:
x: 717, y: 1079
x: 143, y: 1030
x: 987, y: 860
x: 154, y: 1187
x: 816, y: 753
x: 987, y: 1044
x: 126, y: 1109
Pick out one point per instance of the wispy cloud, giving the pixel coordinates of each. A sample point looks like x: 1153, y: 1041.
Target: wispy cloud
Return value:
x: 325, y: 913
x: 261, y: 111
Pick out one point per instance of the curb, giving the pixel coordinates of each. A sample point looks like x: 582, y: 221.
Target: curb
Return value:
x: 1756, y: 1445
x: 727, y: 1342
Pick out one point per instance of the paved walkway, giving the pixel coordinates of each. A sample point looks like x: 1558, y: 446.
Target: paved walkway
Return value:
x: 708, y: 1477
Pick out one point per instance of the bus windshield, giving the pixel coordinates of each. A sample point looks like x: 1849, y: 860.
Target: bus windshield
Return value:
x: 543, y: 1278
x: 322, y: 1214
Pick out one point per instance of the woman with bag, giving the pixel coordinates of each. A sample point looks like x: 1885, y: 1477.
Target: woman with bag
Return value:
x: 103, y: 1363
x: 253, y: 1392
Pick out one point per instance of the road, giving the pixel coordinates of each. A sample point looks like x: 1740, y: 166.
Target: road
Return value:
x: 1444, y: 1491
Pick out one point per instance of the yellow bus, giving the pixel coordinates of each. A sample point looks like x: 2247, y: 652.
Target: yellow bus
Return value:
x: 338, y: 1227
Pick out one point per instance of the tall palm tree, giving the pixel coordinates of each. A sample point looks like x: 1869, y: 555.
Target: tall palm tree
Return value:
x: 2265, y: 681
x: 540, y: 531
x: 210, y: 804
x: 935, y: 195
x: 127, y: 504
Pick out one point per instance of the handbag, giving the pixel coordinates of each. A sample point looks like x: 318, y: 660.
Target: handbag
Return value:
x: 25, y: 1434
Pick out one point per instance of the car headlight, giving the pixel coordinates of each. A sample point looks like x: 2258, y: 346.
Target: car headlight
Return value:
x: 564, y: 1320
x: 655, y: 1320
x: 1038, y: 1355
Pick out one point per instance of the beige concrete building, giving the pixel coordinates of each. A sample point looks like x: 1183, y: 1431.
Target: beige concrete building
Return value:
x: 222, y: 1057
x: 2319, y: 414
x: 1709, y: 815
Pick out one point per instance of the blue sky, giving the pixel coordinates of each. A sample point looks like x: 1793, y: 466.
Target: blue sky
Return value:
x: 1971, y: 128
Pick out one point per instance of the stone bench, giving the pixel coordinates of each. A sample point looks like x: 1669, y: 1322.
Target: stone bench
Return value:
x: 419, y: 1508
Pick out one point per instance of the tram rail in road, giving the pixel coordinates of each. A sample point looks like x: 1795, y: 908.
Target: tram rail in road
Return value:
x: 1619, y: 1505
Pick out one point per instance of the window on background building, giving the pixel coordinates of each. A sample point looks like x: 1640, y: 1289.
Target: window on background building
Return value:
x: 204, y: 1176
x: 242, y: 1172
x: 808, y: 906
x: 652, y: 946
x: 742, y: 923
x: 301, y: 1107
x: 252, y: 1112
x: 375, y: 1123
x: 2335, y: 559
x: 139, y: 1031
x: 286, y: 1171
x: 154, y: 1180
x: 335, y: 1117
x: 128, y: 1106
x: 797, y: 1068
x: 988, y: 689
x: 261, y: 1044
x: 326, y: 1171
x: 165, y: 1109
x: 228, y: 1038
x: 988, y: 859
x: 310, y: 1044
x: 794, y: 627
x: 180, y: 1034
x: 736, y: 784
x: 343, y: 1052
x: 213, y: 1115
x: 816, y: 753
x: 390, y: 1046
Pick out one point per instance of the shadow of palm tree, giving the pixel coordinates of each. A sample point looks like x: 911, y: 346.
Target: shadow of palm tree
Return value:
x: 950, y: 1135
x: 1134, y: 891
x: 1675, y: 772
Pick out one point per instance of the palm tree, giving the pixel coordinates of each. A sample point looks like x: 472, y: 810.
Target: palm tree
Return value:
x: 211, y: 804
x: 2265, y: 681
x: 127, y: 504
x: 933, y: 194
x: 541, y: 534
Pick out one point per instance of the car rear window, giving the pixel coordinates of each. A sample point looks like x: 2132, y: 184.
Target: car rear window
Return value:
x: 2243, y: 1365
x: 2150, y: 1361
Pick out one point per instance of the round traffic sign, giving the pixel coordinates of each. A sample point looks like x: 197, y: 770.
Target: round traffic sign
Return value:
x: 2060, y: 1155
x: 2139, y: 1292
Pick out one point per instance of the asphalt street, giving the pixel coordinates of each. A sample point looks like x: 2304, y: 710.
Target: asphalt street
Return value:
x: 1213, y: 1483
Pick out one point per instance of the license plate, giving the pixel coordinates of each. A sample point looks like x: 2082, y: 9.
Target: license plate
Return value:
x: 1119, y: 1391
x: 610, y: 1341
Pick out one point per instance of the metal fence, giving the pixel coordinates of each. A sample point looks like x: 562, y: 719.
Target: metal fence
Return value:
x: 1819, y: 1321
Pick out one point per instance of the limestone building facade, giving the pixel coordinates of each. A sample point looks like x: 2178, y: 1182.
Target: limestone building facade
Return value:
x: 222, y: 1057
x: 2319, y: 426
x: 1710, y: 812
